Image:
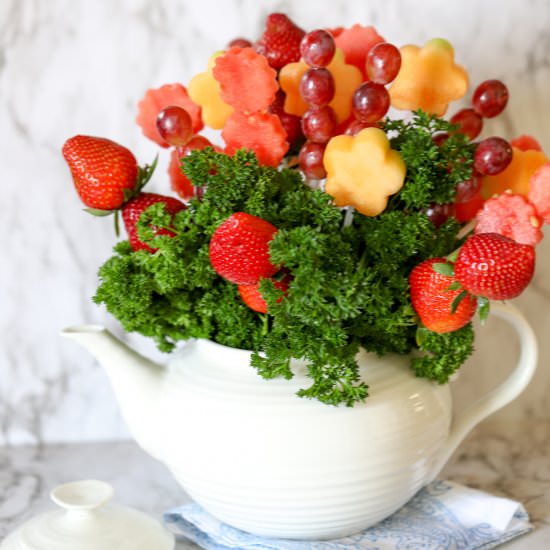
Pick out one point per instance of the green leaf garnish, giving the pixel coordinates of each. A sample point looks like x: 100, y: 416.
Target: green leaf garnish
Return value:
x: 455, y: 285
x: 444, y: 269
x: 457, y: 300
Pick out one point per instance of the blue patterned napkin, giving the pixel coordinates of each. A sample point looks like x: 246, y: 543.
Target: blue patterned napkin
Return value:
x: 442, y: 515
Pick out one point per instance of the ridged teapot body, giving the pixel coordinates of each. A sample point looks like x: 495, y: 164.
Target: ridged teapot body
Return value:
x: 264, y: 460
x: 260, y: 458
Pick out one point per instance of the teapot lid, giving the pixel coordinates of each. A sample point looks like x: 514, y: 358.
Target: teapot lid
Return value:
x: 85, y: 522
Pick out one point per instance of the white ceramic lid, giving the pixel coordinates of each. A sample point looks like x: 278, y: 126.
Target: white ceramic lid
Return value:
x: 85, y: 522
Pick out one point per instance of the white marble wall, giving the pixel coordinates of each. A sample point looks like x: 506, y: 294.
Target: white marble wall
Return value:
x: 76, y: 66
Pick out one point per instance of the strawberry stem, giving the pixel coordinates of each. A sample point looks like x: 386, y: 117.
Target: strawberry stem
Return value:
x: 467, y: 229
x: 483, y: 308
x: 117, y: 223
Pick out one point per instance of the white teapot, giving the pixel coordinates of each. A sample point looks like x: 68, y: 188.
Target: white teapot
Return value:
x: 261, y: 459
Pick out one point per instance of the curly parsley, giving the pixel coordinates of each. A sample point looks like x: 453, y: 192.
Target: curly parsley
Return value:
x: 349, y: 286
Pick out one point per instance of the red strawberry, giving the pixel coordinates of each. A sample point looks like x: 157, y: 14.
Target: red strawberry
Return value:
x: 239, y: 249
x: 291, y: 123
x: 133, y: 209
x: 280, y: 42
x: 254, y: 300
x: 104, y: 172
x: 494, y: 266
x: 433, y: 301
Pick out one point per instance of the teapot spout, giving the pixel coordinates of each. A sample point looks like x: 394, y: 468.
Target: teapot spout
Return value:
x: 136, y: 380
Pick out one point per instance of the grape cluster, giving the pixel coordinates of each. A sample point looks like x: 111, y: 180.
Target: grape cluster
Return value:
x: 370, y: 102
x: 492, y: 155
x: 317, y: 89
x: 488, y: 101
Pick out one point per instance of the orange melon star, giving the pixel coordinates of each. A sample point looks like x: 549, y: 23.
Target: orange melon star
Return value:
x: 363, y: 171
x: 429, y: 78
x: 515, y: 177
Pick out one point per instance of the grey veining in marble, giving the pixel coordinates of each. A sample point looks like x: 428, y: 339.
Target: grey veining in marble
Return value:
x: 71, y: 67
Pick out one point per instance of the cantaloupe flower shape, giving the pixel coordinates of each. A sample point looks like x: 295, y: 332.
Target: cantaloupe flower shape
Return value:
x: 516, y: 176
x: 346, y: 80
x: 363, y: 171
x: 204, y: 90
x: 429, y: 78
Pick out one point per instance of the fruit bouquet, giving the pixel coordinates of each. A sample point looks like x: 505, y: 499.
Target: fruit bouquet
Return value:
x: 312, y: 221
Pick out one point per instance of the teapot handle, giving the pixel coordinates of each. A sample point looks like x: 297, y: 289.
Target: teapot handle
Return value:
x: 502, y: 394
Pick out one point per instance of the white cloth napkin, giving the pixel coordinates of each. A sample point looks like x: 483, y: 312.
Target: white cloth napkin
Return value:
x: 443, y: 515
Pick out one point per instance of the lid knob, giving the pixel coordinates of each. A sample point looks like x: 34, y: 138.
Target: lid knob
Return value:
x: 82, y: 495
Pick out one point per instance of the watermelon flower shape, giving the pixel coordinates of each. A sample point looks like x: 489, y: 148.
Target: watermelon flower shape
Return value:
x: 356, y: 42
x: 363, y: 171
x: 205, y: 90
x: 512, y: 216
x: 539, y: 191
x: 429, y: 78
x: 155, y: 100
x: 346, y: 80
x: 263, y: 133
x: 239, y: 65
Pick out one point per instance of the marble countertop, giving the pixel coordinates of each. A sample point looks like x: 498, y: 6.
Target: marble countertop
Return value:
x: 511, y: 460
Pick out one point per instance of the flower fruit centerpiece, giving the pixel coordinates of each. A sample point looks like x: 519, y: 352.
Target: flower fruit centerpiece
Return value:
x: 315, y: 246
x: 318, y: 226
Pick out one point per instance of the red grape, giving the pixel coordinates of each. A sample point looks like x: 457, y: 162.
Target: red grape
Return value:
x: 239, y: 43
x: 311, y: 160
x: 492, y: 156
x: 319, y: 124
x: 466, y: 211
x: 469, y: 123
x: 490, y: 98
x: 291, y: 123
x: 466, y: 190
x: 438, y: 214
x: 317, y: 48
x: 355, y: 126
x: 383, y: 63
x: 317, y: 87
x: 440, y: 138
x: 175, y: 125
x: 370, y: 102
x: 196, y: 143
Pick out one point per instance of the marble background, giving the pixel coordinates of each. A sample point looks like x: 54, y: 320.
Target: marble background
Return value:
x: 75, y: 66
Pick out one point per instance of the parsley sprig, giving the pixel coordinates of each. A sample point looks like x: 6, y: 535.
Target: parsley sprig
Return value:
x: 349, y: 285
